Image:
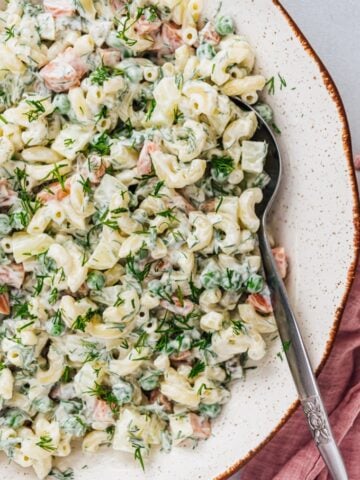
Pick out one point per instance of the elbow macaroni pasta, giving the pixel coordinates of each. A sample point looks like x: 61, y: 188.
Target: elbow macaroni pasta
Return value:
x: 131, y: 286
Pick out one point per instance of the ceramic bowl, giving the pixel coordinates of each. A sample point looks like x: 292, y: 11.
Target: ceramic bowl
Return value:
x: 316, y: 219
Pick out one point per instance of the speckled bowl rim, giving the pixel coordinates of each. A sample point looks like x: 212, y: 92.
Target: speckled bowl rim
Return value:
x: 346, y: 140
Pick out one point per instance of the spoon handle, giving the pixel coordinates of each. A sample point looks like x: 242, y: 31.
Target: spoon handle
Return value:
x: 300, y: 366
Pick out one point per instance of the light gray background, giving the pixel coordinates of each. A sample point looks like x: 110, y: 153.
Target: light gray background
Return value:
x: 333, y: 29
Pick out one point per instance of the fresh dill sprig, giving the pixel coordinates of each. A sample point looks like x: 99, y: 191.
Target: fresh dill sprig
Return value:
x: 140, y: 275
x: 138, y: 445
x: 169, y: 214
x: 67, y: 474
x: 56, y: 174
x: 68, y: 142
x: 100, y: 75
x: 270, y: 84
x: 37, y: 110
x: 222, y: 166
x: 157, y: 188
x: 150, y: 109
x: 197, y: 368
x: 9, y: 32
x: 238, y: 327
x: 102, y: 144
x: 81, y: 321
x: 45, y: 443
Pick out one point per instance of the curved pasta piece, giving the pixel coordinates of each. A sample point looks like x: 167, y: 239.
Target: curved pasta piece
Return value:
x: 107, y: 252
x: 261, y: 323
x: 230, y: 229
x: 203, y: 231
x: 94, y: 440
x: 247, y: 201
x: 243, y: 86
x: 126, y: 311
x: 186, y: 141
x: 55, y: 370
x: 241, y: 129
x: 202, y: 97
x: 130, y: 364
x: 227, y: 343
x: 22, y: 244
x: 238, y: 54
x: 177, y: 388
x: 69, y: 258
x: 169, y: 170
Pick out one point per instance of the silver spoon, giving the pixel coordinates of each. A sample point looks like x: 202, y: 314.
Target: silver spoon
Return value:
x: 296, y: 354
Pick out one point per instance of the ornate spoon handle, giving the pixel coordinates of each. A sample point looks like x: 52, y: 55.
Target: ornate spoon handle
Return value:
x: 299, y: 365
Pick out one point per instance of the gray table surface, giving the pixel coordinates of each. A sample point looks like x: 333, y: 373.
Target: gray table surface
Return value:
x: 333, y: 29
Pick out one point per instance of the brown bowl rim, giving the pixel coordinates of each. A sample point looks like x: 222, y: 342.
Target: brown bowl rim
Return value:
x: 346, y: 139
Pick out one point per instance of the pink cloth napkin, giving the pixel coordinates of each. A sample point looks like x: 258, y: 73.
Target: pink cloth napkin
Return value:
x: 291, y: 454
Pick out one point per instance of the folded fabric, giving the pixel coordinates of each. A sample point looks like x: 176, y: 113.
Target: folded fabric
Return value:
x: 292, y: 454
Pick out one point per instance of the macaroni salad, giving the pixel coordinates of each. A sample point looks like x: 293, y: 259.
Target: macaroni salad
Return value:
x: 131, y: 287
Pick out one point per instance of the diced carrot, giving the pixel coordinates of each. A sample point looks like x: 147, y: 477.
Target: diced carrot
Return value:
x: 168, y: 40
x: 281, y: 260
x: 144, y: 26
x: 110, y: 56
x: 64, y: 72
x: 7, y: 195
x: 12, y: 275
x: 210, y: 35
x: 157, y: 397
x: 54, y: 191
x: 58, y: 8
x: 144, y: 161
x: 102, y: 412
x: 261, y: 303
x: 201, y: 426
x: 4, y: 303
x: 181, y: 203
x: 171, y: 36
x: 178, y: 307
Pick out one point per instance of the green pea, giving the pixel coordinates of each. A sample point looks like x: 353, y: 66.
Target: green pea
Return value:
x: 19, y: 220
x: 72, y: 406
x: 55, y: 327
x: 231, y: 280
x: 149, y: 381
x: 159, y: 289
x: 62, y: 103
x: 255, y: 283
x: 14, y: 418
x: 43, y: 405
x: 210, y: 411
x: 95, y: 280
x: 224, y: 25
x: 134, y: 73
x: 205, y: 50
x: 75, y: 425
x: 210, y: 278
x: 265, y: 111
x: 5, y: 226
x: 123, y: 391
